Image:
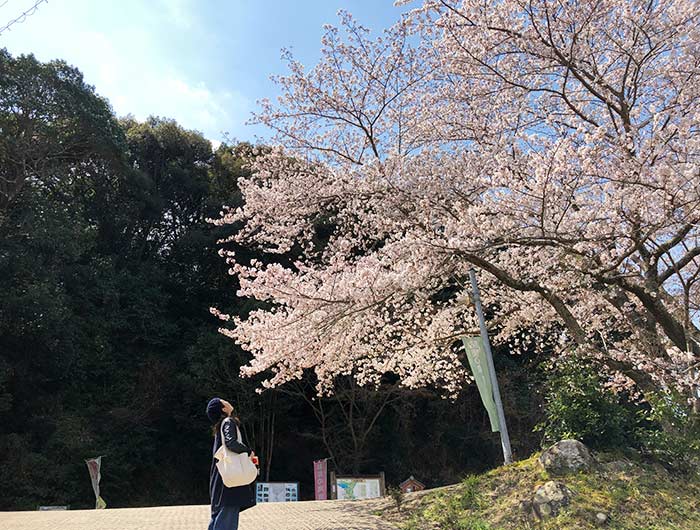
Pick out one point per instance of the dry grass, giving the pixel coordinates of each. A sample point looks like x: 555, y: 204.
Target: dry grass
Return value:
x: 635, y: 495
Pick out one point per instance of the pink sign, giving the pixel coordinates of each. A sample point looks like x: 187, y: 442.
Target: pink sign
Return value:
x: 321, y: 479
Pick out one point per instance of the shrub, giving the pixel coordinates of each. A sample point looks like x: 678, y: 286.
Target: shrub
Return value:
x: 456, y: 511
x: 577, y: 405
x: 469, y: 497
x: 674, y: 435
x: 397, y: 495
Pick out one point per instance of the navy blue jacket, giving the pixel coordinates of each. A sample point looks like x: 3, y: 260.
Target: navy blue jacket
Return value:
x: 242, y: 496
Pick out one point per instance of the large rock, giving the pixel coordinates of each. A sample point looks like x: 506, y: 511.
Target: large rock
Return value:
x: 550, y: 498
x: 565, y: 457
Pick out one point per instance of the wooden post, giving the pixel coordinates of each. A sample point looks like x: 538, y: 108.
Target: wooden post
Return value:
x: 334, y: 493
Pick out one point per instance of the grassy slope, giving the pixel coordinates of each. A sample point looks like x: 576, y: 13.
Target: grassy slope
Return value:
x: 634, y: 494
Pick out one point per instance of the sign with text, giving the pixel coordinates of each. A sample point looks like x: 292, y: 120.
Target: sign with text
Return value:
x: 350, y: 488
x: 277, y: 491
x: 321, y: 479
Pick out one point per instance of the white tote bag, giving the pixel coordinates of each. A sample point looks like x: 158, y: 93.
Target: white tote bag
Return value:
x: 236, y: 469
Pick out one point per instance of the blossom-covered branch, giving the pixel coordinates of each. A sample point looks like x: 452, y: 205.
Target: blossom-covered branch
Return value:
x: 553, y: 147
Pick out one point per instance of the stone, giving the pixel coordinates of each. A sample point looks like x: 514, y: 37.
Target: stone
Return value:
x: 601, y: 518
x: 618, y: 466
x: 566, y: 456
x: 525, y: 506
x: 550, y: 498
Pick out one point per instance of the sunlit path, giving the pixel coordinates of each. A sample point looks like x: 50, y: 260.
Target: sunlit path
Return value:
x: 310, y: 515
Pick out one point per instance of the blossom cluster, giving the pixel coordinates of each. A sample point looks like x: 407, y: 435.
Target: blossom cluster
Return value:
x: 553, y: 147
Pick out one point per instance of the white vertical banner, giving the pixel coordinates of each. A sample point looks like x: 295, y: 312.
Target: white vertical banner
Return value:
x: 94, y: 465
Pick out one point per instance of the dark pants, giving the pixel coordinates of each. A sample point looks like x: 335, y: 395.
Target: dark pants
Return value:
x: 224, y: 518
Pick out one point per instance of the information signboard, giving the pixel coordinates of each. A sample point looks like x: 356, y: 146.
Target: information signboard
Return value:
x: 353, y: 488
x: 277, y: 491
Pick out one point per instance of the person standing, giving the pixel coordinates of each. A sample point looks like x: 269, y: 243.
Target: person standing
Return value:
x: 227, y: 503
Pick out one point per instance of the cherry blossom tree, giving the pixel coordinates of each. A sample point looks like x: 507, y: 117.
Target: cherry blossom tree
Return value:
x: 552, y: 146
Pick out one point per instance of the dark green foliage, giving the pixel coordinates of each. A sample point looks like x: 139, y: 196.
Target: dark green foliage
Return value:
x: 54, y: 129
x: 107, y: 270
x: 673, y: 434
x: 576, y: 405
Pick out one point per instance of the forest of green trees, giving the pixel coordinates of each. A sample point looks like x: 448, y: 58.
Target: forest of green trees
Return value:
x: 108, y: 269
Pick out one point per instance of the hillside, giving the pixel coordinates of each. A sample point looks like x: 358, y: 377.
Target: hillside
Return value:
x: 629, y: 493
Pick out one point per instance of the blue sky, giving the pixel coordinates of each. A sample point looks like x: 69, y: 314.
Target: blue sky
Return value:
x: 202, y: 62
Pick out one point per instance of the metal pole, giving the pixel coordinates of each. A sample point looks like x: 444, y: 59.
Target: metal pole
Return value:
x: 505, y: 440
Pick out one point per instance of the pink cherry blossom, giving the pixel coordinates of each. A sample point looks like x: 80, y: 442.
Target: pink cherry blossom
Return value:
x: 554, y: 147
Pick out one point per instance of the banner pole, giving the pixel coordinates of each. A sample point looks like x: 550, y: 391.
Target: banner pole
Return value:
x: 505, y: 439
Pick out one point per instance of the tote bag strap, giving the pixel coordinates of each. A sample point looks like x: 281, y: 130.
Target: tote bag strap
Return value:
x: 238, y: 432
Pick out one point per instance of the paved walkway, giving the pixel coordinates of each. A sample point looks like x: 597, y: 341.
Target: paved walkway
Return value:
x: 308, y: 515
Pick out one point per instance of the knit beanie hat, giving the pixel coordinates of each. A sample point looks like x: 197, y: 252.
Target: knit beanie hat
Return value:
x: 214, y: 411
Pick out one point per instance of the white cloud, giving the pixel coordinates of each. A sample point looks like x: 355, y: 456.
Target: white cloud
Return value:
x: 130, y: 62
x: 206, y: 110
